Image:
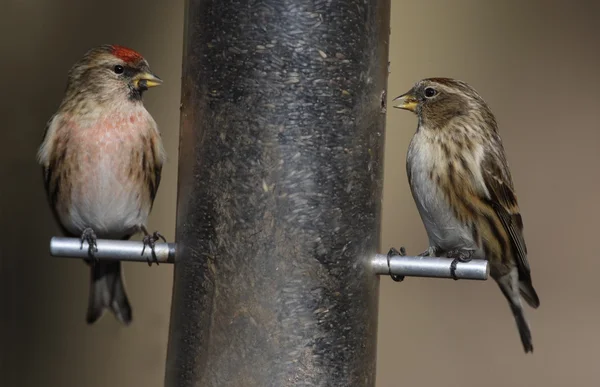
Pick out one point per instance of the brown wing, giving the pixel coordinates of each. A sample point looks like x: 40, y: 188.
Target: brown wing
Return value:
x: 46, y: 171
x: 51, y: 171
x: 154, y: 183
x: 153, y: 161
x: 503, y: 200
x: 50, y: 165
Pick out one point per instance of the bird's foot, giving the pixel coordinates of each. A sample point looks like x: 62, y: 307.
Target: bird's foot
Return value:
x: 88, y: 235
x: 149, y: 241
x: 459, y: 256
x: 393, y: 252
x: 430, y: 252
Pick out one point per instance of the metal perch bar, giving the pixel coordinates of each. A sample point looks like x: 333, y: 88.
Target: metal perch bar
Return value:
x: 477, y: 269
x: 118, y: 250
x: 115, y: 250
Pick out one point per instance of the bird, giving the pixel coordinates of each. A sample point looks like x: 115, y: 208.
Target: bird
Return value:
x: 462, y: 186
x: 102, y: 157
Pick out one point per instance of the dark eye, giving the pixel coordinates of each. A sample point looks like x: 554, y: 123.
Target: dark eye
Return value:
x: 430, y: 92
x: 119, y: 69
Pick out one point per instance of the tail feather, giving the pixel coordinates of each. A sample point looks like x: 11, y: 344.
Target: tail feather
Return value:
x: 523, y: 327
x: 529, y: 294
x: 107, y: 291
x: 512, y: 290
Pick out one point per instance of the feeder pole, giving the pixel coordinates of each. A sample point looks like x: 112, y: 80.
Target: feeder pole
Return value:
x: 279, y: 197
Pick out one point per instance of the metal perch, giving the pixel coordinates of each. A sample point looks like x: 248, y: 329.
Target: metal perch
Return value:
x: 165, y: 253
x: 112, y: 250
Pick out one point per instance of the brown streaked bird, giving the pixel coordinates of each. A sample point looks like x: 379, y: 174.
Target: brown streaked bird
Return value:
x: 102, y: 157
x: 461, y: 183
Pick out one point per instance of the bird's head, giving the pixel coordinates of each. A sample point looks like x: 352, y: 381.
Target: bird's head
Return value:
x: 438, y: 100
x: 111, y: 72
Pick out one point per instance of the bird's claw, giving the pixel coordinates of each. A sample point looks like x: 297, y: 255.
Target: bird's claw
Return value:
x: 430, y: 252
x: 394, y: 252
x: 88, y: 235
x: 459, y: 256
x: 150, y: 241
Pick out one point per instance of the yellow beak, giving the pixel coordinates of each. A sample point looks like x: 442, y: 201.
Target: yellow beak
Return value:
x: 407, y: 102
x: 146, y: 81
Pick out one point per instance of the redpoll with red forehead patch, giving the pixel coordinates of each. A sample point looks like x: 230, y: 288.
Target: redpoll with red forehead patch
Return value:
x: 102, y: 157
x: 126, y: 54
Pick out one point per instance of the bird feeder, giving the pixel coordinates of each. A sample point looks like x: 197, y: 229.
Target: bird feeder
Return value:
x: 279, y: 198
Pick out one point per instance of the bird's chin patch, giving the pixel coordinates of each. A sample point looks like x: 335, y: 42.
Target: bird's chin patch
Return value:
x: 135, y: 94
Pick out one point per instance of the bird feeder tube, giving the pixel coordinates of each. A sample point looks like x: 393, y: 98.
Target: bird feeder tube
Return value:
x: 279, y: 193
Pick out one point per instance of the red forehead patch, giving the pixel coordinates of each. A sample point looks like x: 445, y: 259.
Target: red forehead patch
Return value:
x: 127, y: 55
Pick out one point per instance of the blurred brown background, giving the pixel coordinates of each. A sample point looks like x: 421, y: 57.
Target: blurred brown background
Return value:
x: 535, y: 62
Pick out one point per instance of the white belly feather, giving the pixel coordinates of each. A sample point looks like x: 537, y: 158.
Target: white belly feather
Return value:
x: 111, y: 208
x: 444, y: 230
